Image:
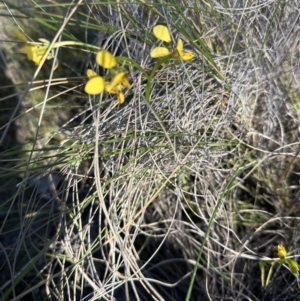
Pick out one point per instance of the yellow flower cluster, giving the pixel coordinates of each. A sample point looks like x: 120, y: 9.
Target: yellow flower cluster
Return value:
x: 96, y: 84
x: 116, y: 80
x: 162, y: 33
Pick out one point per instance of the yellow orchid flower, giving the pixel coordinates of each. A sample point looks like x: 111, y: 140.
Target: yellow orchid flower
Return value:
x: 95, y: 84
x: 116, y: 86
x: 292, y: 264
x: 33, y: 53
x: 120, y: 95
x: 186, y: 56
x: 162, y: 33
x: 105, y: 59
x: 281, y: 251
x: 119, y: 78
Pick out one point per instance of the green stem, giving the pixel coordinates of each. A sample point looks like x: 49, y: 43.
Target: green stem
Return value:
x: 65, y: 43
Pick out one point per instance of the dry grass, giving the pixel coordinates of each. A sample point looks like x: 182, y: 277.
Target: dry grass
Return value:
x: 197, y: 172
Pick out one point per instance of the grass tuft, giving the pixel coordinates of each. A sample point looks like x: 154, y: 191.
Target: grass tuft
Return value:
x: 182, y: 192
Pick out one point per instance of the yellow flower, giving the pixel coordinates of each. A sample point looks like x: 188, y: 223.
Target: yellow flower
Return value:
x: 105, y: 59
x: 120, y: 94
x: 119, y: 78
x: 95, y: 84
x: 186, y: 56
x: 116, y: 86
x: 281, y: 251
x: 162, y: 33
x: 30, y: 49
x: 33, y: 53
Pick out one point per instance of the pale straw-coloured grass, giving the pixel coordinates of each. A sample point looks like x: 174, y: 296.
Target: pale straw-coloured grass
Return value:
x: 176, y: 194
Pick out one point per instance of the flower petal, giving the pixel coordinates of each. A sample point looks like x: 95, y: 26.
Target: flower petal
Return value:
x: 105, y: 59
x: 179, y: 45
x: 91, y: 73
x: 121, y: 97
x: 159, y: 52
x: 109, y: 89
x: 125, y: 82
x: 118, y: 79
x: 37, y: 59
x: 162, y: 33
x: 94, y: 85
x: 186, y: 56
x: 33, y: 53
x: 116, y: 90
x: 281, y: 251
x: 29, y: 51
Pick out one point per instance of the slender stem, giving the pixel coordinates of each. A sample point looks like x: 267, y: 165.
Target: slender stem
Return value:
x: 64, y: 43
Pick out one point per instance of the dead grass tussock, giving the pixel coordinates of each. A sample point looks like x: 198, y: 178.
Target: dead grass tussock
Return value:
x: 118, y: 199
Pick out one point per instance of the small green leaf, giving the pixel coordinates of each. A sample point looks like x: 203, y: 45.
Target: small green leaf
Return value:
x: 262, y: 272
x: 270, y: 273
